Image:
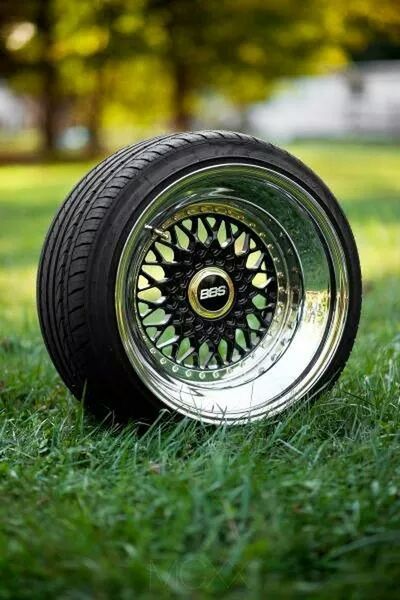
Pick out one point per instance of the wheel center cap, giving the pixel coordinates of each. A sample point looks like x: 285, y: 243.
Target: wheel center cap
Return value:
x: 211, y: 293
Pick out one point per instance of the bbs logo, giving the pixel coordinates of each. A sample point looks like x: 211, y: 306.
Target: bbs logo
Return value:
x: 213, y: 292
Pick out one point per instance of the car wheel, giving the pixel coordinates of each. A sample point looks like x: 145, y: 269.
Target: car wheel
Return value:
x: 210, y: 273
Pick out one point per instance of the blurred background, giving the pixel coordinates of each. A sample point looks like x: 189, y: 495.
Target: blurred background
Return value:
x: 80, y: 78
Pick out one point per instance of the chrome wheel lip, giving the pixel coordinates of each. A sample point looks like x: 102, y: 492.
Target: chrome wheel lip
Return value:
x: 189, y: 399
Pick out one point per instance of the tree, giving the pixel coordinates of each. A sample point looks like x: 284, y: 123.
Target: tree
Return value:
x: 154, y: 59
x: 65, y: 61
x: 240, y: 48
x: 27, y: 51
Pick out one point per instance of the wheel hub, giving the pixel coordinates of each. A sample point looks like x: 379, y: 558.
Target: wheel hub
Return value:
x: 211, y: 293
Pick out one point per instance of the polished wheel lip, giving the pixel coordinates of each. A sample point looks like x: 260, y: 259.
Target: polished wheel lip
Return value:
x: 328, y: 308
x: 193, y: 297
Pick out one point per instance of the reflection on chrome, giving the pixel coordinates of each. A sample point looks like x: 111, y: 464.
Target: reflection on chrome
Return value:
x: 316, y: 305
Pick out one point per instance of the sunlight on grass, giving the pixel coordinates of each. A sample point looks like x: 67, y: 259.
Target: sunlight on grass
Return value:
x: 379, y: 248
x: 354, y: 171
x: 36, y: 178
x: 17, y: 295
x: 366, y: 181
x: 29, y: 197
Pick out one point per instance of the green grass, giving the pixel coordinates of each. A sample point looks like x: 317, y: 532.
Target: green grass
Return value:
x: 306, y: 505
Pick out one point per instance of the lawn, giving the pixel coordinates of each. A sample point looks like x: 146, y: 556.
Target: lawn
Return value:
x: 306, y: 505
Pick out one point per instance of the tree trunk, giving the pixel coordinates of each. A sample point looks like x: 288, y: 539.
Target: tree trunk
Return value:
x: 181, y: 120
x: 48, y: 74
x: 178, y: 64
x: 95, y: 146
x: 49, y: 111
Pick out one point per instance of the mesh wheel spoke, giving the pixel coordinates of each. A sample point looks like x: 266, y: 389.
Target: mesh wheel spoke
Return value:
x: 188, y: 246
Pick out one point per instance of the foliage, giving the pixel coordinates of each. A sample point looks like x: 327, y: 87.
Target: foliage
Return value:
x: 307, y: 505
x: 153, y: 60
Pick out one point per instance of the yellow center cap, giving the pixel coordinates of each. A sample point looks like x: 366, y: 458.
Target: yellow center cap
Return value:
x: 211, y: 293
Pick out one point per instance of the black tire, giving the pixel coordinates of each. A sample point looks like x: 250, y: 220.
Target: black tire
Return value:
x: 82, y: 251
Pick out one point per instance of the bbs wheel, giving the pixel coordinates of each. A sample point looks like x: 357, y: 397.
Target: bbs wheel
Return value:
x: 209, y: 272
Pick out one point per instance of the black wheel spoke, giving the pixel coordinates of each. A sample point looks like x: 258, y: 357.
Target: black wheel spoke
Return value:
x: 191, y: 244
x: 189, y: 232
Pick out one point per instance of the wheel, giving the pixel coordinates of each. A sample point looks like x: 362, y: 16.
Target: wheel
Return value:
x: 209, y: 273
